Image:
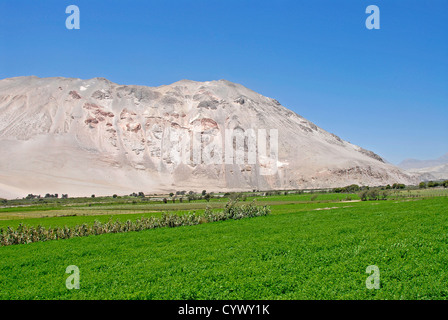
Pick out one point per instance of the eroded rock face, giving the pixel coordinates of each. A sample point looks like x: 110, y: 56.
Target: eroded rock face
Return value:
x: 80, y: 137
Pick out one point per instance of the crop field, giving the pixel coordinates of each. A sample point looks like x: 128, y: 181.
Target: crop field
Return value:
x: 311, y: 246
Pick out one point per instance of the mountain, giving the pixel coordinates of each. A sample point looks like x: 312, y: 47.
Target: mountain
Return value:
x: 431, y: 173
x: 419, y: 164
x: 427, y: 170
x: 83, y: 137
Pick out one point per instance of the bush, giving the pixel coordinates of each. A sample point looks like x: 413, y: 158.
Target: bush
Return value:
x: 373, y: 194
x: 235, y: 195
x: 363, y: 195
x: 348, y: 189
x: 434, y: 184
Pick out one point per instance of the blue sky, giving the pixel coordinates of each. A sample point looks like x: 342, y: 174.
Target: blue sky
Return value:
x: 385, y: 90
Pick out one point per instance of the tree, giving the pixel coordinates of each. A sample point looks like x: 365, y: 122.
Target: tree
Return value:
x: 207, y: 197
x: 235, y: 195
x: 93, y: 196
x: 363, y: 195
x: 204, y: 192
x: 165, y: 200
x: 171, y: 194
x: 373, y: 194
x: 114, y: 196
x: 422, y: 185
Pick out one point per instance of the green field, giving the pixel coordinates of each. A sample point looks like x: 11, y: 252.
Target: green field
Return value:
x: 306, y: 249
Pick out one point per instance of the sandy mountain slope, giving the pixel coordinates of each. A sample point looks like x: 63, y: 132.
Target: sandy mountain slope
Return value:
x: 83, y: 137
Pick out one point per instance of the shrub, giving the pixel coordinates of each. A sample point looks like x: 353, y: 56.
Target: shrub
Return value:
x: 373, y: 194
x: 363, y: 195
x: 348, y: 189
x: 384, y: 195
x: 433, y: 184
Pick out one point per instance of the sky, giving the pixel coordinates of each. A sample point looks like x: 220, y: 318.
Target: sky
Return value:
x: 385, y: 90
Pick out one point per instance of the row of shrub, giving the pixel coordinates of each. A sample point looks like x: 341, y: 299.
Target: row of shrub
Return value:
x: 433, y: 184
x: 28, y: 234
x: 348, y: 189
x: 355, y: 188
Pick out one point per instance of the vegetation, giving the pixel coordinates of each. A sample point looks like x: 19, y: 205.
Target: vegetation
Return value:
x: 373, y: 194
x: 291, y: 254
x: 24, y: 234
x: 315, y: 244
x: 348, y: 189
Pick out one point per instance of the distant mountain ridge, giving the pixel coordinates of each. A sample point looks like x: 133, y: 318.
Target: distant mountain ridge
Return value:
x: 427, y: 170
x: 418, y: 164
